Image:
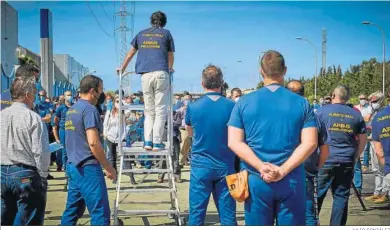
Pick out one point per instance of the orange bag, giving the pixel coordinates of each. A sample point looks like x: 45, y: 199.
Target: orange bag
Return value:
x: 238, y: 185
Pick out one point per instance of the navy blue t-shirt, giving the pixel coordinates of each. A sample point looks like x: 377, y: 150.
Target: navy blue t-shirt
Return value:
x: 153, y: 45
x: 61, y: 114
x: 80, y: 117
x: 208, y: 117
x: 311, y: 163
x: 272, y: 118
x: 381, y: 133
x: 344, y: 124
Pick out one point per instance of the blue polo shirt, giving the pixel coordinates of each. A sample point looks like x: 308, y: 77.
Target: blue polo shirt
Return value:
x: 272, y: 118
x: 42, y: 108
x: 381, y: 133
x: 61, y: 114
x: 80, y: 117
x: 208, y: 117
x: 344, y: 124
x: 311, y: 163
x: 153, y: 45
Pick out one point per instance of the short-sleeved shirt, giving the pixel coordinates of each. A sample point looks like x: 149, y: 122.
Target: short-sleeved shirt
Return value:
x: 381, y: 133
x: 61, y: 114
x: 272, y: 118
x: 344, y: 124
x: 79, y: 118
x: 311, y: 163
x: 153, y: 45
x: 208, y: 117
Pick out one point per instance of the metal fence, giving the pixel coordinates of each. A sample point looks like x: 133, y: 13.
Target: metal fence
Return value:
x: 59, y: 86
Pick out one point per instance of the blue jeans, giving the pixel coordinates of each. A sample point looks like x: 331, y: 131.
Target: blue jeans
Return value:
x: 64, y: 157
x: 203, y: 183
x: 338, y: 177
x: 87, y: 188
x: 358, y: 176
x: 366, y: 155
x: 22, y: 196
x: 311, y: 196
x: 282, y: 201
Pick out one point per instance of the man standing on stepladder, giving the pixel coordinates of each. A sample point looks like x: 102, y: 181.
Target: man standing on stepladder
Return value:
x: 155, y: 48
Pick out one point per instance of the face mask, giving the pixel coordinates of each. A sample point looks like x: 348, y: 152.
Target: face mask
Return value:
x: 236, y: 99
x: 136, y: 100
x: 101, y: 99
x: 70, y: 100
x: 117, y: 105
x: 42, y: 98
x: 375, y: 106
x: 363, y: 102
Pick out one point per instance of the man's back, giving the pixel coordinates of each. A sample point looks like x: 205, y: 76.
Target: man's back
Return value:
x: 23, y: 136
x: 153, y: 45
x: 381, y: 133
x: 273, y: 118
x: 208, y: 117
x: 80, y: 117
x: 343, y: 124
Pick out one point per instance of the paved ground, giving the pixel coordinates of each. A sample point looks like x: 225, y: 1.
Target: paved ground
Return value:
x: 376, y: 214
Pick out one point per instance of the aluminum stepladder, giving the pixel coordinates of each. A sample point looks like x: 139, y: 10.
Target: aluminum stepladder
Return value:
x: 130, y: 154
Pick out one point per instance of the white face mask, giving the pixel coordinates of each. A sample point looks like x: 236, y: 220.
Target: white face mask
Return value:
x: 117, y: 105
x: 363, y: 102
x: 375, y: 106
x: 236, y: 99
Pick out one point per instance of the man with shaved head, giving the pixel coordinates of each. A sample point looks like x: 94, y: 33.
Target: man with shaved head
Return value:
x: 272, y: 148
x: 347, y: 138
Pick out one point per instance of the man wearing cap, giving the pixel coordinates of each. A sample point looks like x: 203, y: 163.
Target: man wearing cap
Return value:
x: 313, y: 163
x: 273, y: 148
x: 381, y: 186
x: 347, y: 138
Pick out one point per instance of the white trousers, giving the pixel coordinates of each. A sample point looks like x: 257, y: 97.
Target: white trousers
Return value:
x: 155, y: 87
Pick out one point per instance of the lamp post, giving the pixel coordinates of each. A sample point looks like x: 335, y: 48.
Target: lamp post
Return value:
x: 316, y: 55
x: 384, y: 51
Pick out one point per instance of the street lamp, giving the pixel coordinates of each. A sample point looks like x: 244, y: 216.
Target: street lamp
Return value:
x: 316, y: 54
x: 384, y: 51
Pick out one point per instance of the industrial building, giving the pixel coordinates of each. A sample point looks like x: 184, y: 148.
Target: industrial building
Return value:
x: 67, y: 72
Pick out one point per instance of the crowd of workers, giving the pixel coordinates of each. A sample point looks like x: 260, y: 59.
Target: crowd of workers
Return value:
x: 293, y: 152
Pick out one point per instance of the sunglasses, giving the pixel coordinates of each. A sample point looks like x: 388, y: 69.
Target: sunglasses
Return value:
x: 362, y: 98
x: 374, y: 101
x: 116, y: 101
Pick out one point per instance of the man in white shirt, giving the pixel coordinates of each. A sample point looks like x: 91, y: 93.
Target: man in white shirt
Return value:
x: 25, y: 158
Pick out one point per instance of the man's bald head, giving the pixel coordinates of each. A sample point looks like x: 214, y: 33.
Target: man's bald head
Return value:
x: 296, y: 87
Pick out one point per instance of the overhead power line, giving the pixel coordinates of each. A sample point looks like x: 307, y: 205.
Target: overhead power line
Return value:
x: 90, y: 9
x: 111, y: 19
